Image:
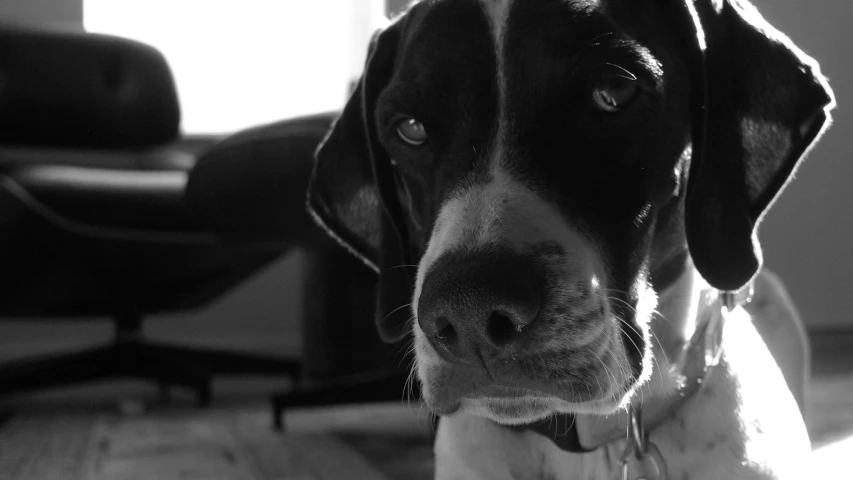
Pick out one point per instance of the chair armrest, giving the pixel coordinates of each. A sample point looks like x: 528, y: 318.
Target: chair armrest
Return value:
x: 251, y: 186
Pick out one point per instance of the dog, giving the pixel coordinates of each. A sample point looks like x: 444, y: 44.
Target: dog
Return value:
x: 560, y: 198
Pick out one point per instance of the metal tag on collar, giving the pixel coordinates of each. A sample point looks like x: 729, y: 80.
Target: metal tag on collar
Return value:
x: 641, y: 457
x: 730, y: 301
x: 734, y: 298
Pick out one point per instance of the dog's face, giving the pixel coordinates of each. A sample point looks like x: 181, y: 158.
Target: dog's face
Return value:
x: 533, y: 192
x: 532, y: 157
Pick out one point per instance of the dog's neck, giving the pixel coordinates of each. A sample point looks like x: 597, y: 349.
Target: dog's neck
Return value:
x: 683, y: 306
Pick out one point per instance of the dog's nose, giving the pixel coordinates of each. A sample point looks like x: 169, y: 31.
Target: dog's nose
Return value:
x: 477, y: 307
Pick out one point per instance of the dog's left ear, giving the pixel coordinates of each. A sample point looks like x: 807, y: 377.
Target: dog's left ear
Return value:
x: 765, y: 103
x: 351, y: 192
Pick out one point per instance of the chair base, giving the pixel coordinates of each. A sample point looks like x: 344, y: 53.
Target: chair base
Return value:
x: 168, y: 365
x: 345, y: 360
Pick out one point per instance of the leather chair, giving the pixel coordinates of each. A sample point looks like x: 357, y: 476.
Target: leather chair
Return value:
x: 92, y: 215
x: 250, y: 190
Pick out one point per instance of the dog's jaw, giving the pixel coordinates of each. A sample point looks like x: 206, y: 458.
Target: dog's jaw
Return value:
x: 671, y: 325
x: 515, y: 411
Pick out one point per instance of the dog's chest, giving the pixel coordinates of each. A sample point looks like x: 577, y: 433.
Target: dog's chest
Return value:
x: 742, y: 424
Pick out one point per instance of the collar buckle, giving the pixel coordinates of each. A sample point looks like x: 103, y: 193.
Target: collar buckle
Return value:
x: 641, y: 454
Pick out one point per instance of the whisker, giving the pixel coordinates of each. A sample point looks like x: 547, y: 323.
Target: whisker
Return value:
x: 623, y: 369
x: 655, y: 361
x: 592, y: 43
x: 403, y: 266
x: 495, y: 213
x: 610, y: 374
x: 652, y: 334
x: 616, y: 290
x: 392, y: 312
x: 655, y: 337
x: 630, y: 76
x: 409, y: 390
x: 656, y: 313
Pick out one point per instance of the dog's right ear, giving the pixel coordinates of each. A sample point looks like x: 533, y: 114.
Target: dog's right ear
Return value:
x: 352, y: 190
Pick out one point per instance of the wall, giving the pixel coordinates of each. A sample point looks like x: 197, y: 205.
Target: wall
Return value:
x: 67, y: 13
x: 808, y: 236
x: 279, y: 59
x: 394, y: 6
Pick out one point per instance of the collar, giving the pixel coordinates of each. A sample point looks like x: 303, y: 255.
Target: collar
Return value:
x: 695, y: 361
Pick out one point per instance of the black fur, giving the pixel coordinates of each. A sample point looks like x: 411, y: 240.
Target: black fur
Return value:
x: 689, y: 166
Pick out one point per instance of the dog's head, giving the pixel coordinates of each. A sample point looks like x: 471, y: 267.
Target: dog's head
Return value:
x: 524, y: 175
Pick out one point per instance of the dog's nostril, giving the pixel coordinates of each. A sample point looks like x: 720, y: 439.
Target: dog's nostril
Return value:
x: 444, y: 328
x: 501, y: 328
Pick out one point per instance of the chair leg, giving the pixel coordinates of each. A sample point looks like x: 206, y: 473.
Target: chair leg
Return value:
x: 143, y: 361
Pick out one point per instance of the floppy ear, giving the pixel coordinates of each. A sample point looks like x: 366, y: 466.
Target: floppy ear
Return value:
x: 351, y: 192
x: 765, y: 104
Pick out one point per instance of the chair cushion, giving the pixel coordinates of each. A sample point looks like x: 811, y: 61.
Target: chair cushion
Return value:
x: 163, y: 158
x: 84, y: 90
x: 251, y: 185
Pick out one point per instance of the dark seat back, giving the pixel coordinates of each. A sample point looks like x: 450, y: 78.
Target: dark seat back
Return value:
x: 76, y: 89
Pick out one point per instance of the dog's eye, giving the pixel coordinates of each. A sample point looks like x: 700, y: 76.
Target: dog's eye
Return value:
x: 412, y: 132
x: 614, y: 95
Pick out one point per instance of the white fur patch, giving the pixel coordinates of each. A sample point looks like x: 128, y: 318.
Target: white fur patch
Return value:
x: 504, y: 212
x: 497, y: 12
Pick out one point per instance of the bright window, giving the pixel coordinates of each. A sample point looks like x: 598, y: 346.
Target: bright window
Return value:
x: 240, y: 63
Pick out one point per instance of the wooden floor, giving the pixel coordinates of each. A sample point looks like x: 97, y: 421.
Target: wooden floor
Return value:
x: 831, y: 411
x: 125, y: 431
x: 385, y: 441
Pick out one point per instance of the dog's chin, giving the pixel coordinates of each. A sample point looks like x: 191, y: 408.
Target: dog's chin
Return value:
x: 510, y: 411
x: 514, y: 407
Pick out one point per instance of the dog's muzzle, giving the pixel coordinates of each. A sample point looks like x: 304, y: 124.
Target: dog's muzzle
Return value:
x: 474, y: 308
